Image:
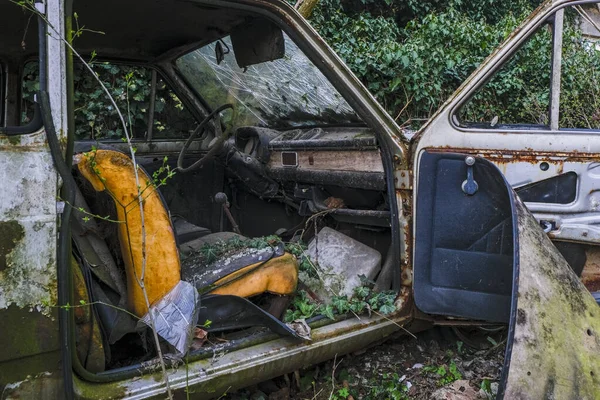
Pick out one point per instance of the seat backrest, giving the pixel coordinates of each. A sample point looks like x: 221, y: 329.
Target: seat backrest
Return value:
x: 157, y: 260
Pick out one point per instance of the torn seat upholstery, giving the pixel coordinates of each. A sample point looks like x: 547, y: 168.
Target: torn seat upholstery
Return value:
x: 243, y: 275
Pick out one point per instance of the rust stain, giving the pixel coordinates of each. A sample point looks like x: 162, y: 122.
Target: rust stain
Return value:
x: 407, y: 230
x: 407, y: 265
x: 515, y: 156
x: 591, y: 271
x: 561, y: 167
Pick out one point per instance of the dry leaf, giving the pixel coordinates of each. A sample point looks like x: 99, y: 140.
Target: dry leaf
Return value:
x: 200, y: 337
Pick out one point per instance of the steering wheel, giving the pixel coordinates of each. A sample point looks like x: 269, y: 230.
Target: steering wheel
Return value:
x: 215, y: 144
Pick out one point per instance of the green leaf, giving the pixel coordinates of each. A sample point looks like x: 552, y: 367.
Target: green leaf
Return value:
x: 387, y: 309
x: 328, y: 312
x: 343, y: 393
x: 362, y: 291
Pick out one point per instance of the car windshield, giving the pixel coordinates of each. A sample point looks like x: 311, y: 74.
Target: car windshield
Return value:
x: 284, y: 93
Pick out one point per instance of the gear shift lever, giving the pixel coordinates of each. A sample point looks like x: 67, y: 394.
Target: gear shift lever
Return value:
x: 221, y: 198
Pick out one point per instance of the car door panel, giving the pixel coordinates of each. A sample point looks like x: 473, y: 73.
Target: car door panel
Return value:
x: 463, y: 243
x: 569, y: 209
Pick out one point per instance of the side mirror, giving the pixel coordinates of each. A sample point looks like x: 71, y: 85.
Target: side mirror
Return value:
x: 256, y: 42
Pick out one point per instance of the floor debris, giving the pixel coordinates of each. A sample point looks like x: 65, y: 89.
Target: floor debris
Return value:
x: 436, y: 365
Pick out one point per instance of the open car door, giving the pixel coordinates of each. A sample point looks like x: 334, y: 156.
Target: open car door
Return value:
x: 491, y: 191
x: 484, y: 256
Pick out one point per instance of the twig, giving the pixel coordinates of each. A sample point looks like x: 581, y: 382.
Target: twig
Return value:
x: 317, y: 394
x: 585, y: 15
x: 319, y: 214
x: 23, y: 43
x: 488, y: 351
x: 86, y: 304
x: 224, y: 394
x: 85, y: 212
x: 395, y: 323
x: 140, y: 280
x: 403, y: 108
x: 333, y: 375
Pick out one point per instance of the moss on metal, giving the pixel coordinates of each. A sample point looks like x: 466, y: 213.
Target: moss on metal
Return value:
x: 30, y: 346
x: 557, y: 324
x: 11, y: 233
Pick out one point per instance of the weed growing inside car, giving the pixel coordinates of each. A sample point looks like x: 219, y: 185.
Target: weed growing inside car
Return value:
x: 211, y: 252
x: 364, y: 299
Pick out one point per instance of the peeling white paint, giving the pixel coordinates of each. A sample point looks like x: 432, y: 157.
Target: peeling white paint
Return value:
x: 28, y: 197
x: 28, y: 185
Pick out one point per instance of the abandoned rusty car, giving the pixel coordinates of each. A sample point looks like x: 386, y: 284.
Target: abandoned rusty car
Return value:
x: 179, y: 170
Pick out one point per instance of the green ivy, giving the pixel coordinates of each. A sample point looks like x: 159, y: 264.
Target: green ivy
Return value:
x: 413, y: 67
x: 130, y: 86
x: 211, y: 252
x: 364, y: 300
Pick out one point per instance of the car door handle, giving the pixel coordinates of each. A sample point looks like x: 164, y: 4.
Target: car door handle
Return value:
x: 469, y: 185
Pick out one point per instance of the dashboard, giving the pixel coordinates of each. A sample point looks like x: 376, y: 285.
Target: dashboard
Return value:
x: 347, y: 157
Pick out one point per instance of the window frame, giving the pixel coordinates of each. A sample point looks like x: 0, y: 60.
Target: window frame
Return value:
x: 490, y: 75
x: 455, y: 122
x: 3, y: 93
x: 36, y: 123
x: 156, y: 73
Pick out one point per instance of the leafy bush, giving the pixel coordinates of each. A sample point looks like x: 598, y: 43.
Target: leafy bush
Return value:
x: 446, y: 373
x: 406, y: 10
x: 413, y: 67
x: 95, y: 116
x: 580, y: 84
x: 520, y: 91
x: 130, y: 86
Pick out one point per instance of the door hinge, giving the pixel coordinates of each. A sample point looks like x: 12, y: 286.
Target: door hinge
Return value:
x: 404, y: 179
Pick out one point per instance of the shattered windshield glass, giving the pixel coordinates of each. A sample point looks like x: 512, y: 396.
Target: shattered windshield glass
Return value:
x: 284, y: 93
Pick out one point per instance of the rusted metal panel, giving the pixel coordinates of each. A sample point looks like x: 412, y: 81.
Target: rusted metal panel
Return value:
x: 229, y: 371
x: 28, y: 235
x: 403, y: 179
x: 554, y: 339
x: 44, y: 385
x: 591, y: 270
x: 28, y: 211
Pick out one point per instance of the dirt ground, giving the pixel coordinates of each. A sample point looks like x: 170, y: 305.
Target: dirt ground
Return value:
x: 435, y: 365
